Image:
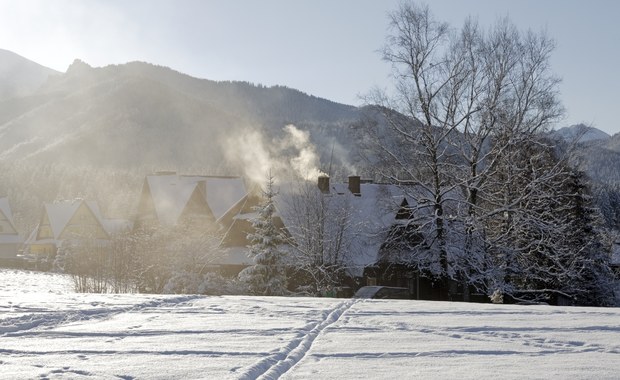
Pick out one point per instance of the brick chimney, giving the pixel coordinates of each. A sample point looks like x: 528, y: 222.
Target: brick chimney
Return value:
x: 324, y: 184
x: 355, y: 185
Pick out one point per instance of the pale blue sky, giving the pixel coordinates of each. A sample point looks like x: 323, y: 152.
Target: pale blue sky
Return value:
x: 327, y: 48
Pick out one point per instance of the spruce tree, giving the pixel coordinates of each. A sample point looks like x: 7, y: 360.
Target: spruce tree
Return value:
x: 268, y: 274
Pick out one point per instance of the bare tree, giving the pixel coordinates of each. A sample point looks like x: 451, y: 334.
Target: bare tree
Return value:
x: 469, y: 105
x: 320, y: 239
x: 418, y: 120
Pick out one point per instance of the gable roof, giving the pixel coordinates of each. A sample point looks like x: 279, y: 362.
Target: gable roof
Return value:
x: 8, y: 238
x: 60, y: 213
x: 6, y: 211
x: 171, y: 193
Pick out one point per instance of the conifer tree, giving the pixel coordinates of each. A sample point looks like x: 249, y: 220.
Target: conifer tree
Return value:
x: 268, y: 274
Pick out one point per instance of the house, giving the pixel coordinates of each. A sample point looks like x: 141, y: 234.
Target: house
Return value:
x: 10, y: 240
x: 69, y: 220
x: 367, y: 226
x: 196, y: 204
x: 350, y: 222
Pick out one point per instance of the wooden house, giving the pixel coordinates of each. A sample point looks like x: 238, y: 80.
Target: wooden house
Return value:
x: 195, y: 205
x: 69, y: 220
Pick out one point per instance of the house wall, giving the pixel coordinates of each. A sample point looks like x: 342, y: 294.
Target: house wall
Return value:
x: 43, y: 250
x: 45, y: 229
x: 7, y: 250
x: 45, y: 232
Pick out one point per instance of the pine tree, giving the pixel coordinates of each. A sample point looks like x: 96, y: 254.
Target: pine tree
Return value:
x: 268, y: 274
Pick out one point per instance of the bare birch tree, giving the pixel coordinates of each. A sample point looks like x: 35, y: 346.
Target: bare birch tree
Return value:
x: 466, y: 104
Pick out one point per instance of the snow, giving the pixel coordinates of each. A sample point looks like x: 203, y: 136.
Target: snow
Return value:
x: 223, y: 193
x: 47, y: 331
x: 581, y: 131
x: 170, y: 194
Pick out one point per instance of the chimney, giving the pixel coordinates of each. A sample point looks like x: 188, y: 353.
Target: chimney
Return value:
x: 355, y: 185
x: 324, y: 184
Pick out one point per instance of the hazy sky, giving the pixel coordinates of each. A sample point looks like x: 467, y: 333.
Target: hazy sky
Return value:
x: 326, y: 48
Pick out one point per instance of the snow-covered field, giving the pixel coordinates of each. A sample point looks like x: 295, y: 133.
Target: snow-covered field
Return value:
x: 48, y: 332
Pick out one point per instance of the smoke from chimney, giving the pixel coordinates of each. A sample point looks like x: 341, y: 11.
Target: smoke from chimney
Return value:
x: 291, y: 156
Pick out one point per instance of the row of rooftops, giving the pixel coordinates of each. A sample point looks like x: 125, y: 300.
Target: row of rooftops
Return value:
x: 167, y: 196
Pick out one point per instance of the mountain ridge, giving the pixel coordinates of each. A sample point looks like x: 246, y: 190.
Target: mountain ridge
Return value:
x: 20, y: 76
x: 143, y: 114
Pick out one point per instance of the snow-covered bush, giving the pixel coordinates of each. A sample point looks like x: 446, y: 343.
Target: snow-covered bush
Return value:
x: 210, y: 283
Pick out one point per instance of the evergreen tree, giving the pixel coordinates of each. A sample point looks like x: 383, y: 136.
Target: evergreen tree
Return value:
x: 268, y: 274
x: 548, y: 241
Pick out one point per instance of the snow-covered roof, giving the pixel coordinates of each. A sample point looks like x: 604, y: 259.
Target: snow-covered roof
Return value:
x: 171, y: 193
x: 8, y: 238
x: 223, y: 193
x: 59, y: 214
x: 6, y: 209
x: 369, y: 216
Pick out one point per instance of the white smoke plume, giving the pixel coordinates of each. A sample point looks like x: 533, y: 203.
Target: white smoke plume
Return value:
x: 306, y: 163
x: 250, y: 152
x: 291, y: 156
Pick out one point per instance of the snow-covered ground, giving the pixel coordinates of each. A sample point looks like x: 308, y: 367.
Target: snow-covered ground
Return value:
x: 48, y: 332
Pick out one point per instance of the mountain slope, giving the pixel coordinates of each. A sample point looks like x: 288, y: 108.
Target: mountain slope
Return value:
x: 142, y: 115
x: 20, y: 76
x: 582, y: 133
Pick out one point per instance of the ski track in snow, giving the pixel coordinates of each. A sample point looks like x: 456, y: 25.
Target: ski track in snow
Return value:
x: 523, y: 336
x: 49, y: 319
x: 276, y: 365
